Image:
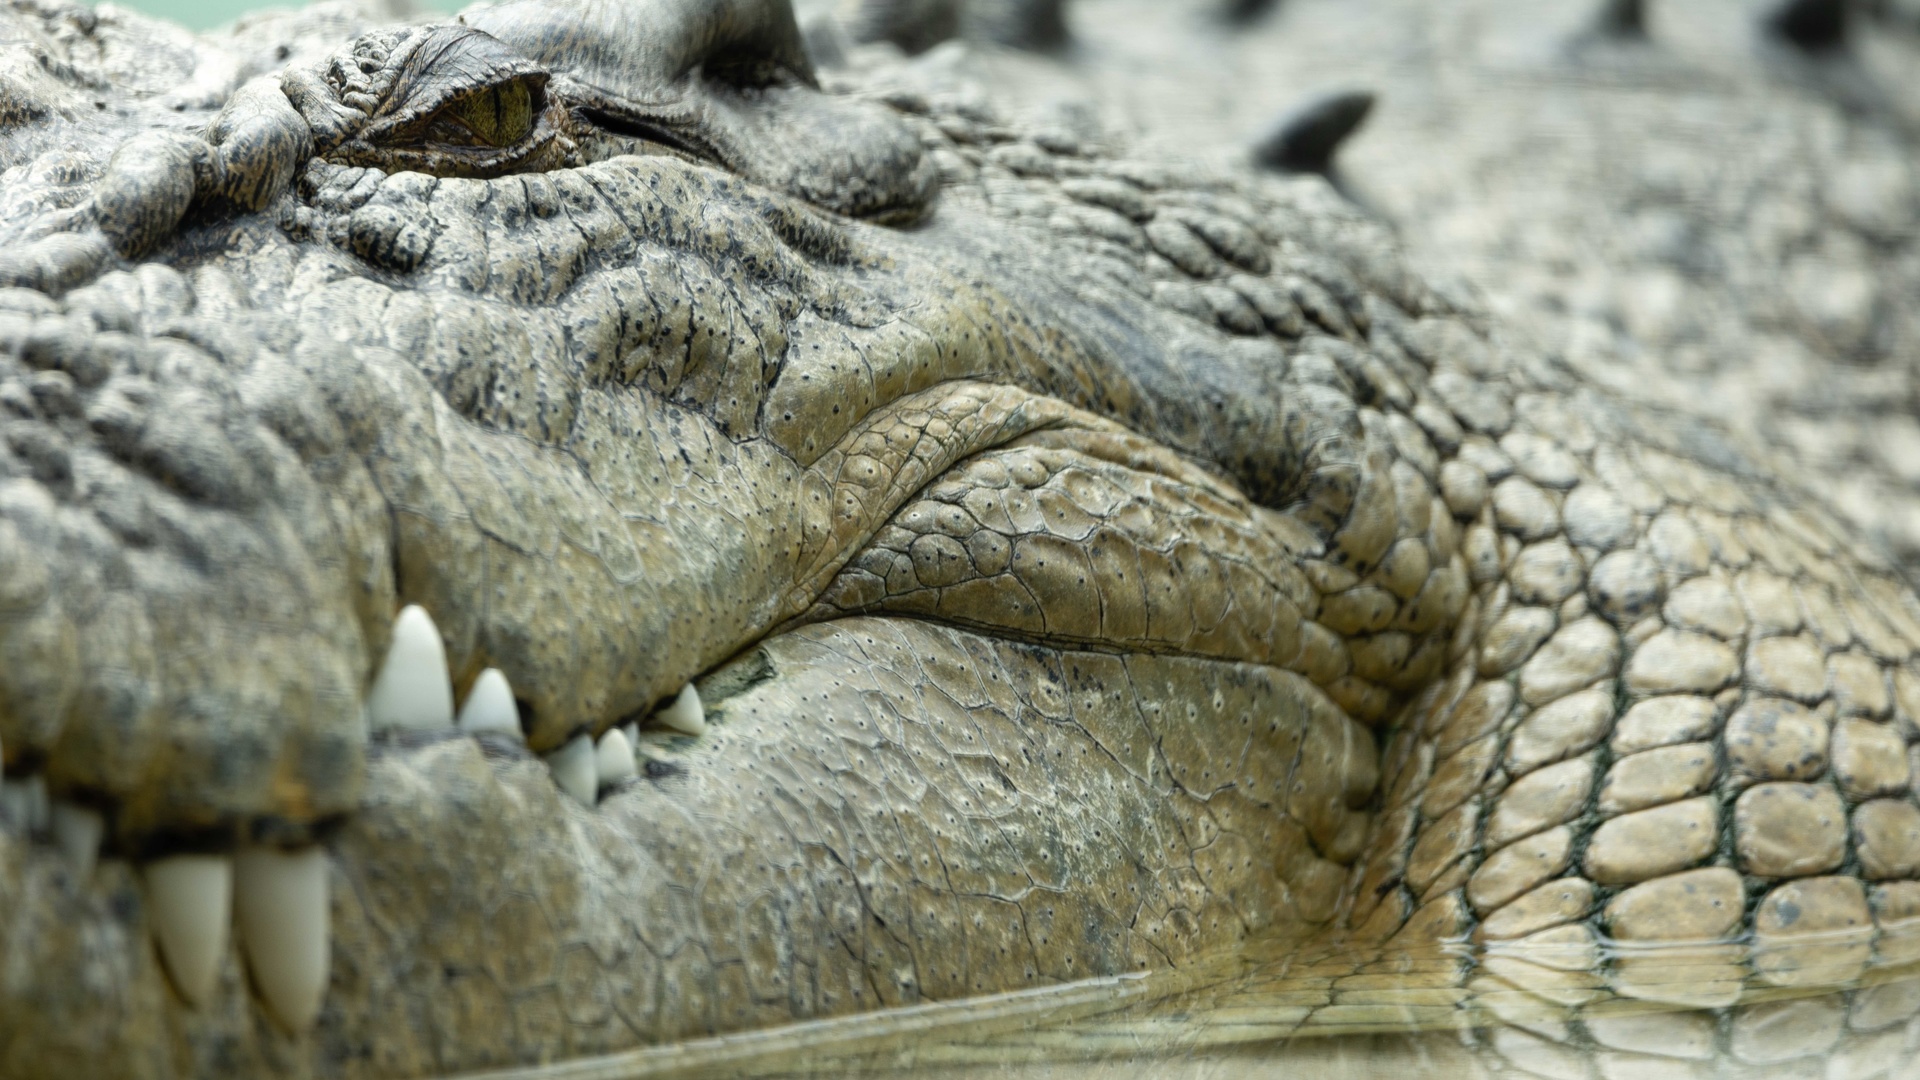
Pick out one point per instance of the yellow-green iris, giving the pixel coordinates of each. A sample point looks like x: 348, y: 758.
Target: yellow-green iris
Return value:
x: 499, y: 116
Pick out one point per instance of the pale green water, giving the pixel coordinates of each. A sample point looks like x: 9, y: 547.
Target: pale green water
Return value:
x: 202, y: 14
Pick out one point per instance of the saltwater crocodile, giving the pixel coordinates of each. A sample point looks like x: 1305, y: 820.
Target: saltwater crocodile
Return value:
x: 1015, y: 562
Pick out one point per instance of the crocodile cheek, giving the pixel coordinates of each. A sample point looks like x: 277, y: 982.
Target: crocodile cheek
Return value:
x: 1076, y: 533
x: 1047, y: 538
x: 603, y: 593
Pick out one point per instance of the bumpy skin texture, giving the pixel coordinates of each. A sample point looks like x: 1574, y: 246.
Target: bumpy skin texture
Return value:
x: 1125, y: 563
x: 1699, y: 216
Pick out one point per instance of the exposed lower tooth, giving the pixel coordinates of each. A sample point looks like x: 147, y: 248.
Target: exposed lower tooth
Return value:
x: 192, y: 900
x: 613, y: 760
x: 685, y: 714
x: 280, y: 900
x: 412, y: 690
x: 489, y: 706
x: 575, y: 769
x: 77, y: 829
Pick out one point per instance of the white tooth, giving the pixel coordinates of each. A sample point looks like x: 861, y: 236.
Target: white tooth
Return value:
x: 39, y: 810
x: 489, y: 706
x: 575, y: 768
x: 77, y: 829
x: 13, y: 801
x: 412, y: 690
x: 192, y: 900
x: 280, y: 900
x: 685, y: 714
x: 614, y: 759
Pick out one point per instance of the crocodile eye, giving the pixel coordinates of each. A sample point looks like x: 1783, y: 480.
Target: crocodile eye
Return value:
x: 458, y: 103
x: 497, y: 116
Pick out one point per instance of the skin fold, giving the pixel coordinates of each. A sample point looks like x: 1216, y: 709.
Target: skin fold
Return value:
x: 1091, y: 565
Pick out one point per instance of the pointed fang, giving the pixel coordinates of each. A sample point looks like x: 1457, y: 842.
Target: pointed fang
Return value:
x: 412, y: 690
x: 280, y: 898
x: 685, y: 715
x: 489, y: 707
x: 191, y: 897
x: 576, y: 769
x: 613, y: 760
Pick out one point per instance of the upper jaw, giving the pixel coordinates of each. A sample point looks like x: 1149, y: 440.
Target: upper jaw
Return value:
x: 462, y: 394
x: 245, y: 506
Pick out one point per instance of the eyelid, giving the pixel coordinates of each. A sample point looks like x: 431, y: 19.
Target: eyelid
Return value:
x: 481, y: 62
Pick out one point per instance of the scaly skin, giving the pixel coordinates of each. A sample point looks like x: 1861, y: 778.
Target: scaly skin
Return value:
x: 1123, y: 566
x: 1700, y: 215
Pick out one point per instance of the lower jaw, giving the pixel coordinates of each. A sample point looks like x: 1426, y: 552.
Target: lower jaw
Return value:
x: 884, y: 813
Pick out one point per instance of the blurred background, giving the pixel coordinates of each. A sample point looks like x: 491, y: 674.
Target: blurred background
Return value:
x: 201, y: 14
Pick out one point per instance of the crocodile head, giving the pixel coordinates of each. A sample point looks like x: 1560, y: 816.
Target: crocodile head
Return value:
x: 1062, y: 562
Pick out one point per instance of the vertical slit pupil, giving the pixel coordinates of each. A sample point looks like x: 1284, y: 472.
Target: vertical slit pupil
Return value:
x: 499, y: 115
